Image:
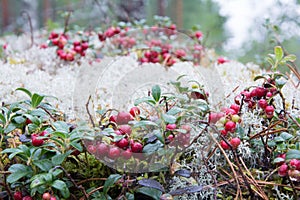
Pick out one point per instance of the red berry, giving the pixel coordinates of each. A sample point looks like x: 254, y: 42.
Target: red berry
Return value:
x: 85, y: 45
x: 230, y: 126
x: 235, y: 142
x: 171, y: 127
x: 180, y: 53
x: 235, y: 107
x: 113, y: 118
x: 92, y: 149
x: 295, y: 164
x: 35, y: 141
x: 18, y: 195
x: 78, y: 49
x: 43, y: 133
x: 53, y: 198
x: 213, y: 118
x: 46, y: 196
x: 269, y: 94
x: 136, y: 147
x: 262, y: 103
x: 223, y: 132
x: 76, y: 43
x: 170, y: 138
x: 222, y: 60
x: 283, y: 169
x: 70, y: 57
x: 134, y: 111
x: 126, y: 154
x: 125, y: 129
x: 123, y: 118
x: 102, y: 149
x: 229, y: 111
x: 28, y: 121
x: 172, y: 27
x: 114, y: 152
x: 224, y: 145
x: 269, y: 110
x: 123, y: 143
x: 197, y: 95
x: 198, y: 34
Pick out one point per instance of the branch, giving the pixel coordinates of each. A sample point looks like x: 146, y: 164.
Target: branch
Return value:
x: 88, y: 111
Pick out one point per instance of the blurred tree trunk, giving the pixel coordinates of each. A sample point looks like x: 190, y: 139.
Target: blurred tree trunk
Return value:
x: 161, y: 7
x: 47, y: 10
x: 131, y: 10
x: 179, y: 14
x: 31, y: 7
x: 5, y: 13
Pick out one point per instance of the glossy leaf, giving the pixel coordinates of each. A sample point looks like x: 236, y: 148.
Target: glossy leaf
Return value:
x: 278, y: 53
x: 36, y: 99
x: 151, y: 192
x: 111, y: 180
x: 62, y: 187
x: 25, y: 91
x: 151, y: 184
x: 186, y: 190
x: 156, y: 93
x: 292, y: 154
x: 18, y: 171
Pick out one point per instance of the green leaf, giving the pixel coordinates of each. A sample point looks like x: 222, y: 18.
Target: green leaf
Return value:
x: 2, y: 118
x: 148, y: 100
x: 36, y: 99
x: 144, y: 123
x: 10, y: 128
x: 129, y: 196
x: 280, y: 82
x: 278, y: 53
x: 169, y: 119
x: 25, y: 91
x: 44, y: 164
x: 156, y: 93
x: 278, y: 160
x: 259, y: 77
x: 152, y: 147
x: 111, y: 180
x: 151, y: 192
x: 59, y: 158
x: 292, y: 154
x: 19, y: 119
x: 37, y: 180
x: 290, y: 58
x: 286, y: 136
x: 174, y: 110
x: 151, y: 184
x: 18, y: 171
x: 270, y: 61
x: 61, y: 126
x: 62, y: 187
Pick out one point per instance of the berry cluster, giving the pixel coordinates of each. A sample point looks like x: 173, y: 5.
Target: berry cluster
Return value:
x: 227, y: 122
x: 66, y: 51
x: 122, y: 143
x: 261, y: 96
x: 19, y: 196
x: 291, y: 168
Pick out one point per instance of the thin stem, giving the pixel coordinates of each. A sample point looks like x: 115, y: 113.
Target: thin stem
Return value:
x: 73, y: 181
x: 88, y: 111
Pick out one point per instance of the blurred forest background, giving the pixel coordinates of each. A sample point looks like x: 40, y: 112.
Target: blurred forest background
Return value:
x: 280, y: 23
